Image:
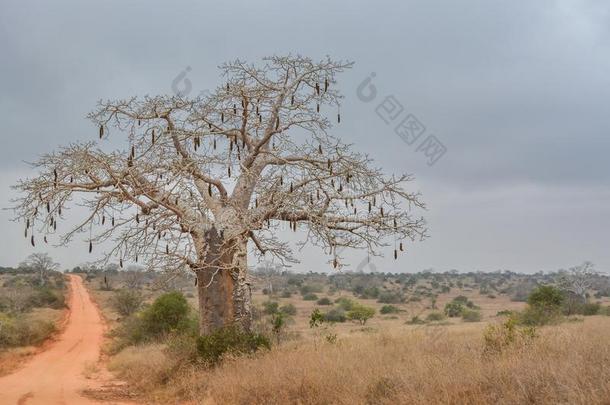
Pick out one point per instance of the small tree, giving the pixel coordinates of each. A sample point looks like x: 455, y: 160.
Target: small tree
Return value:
x: 361, y: 314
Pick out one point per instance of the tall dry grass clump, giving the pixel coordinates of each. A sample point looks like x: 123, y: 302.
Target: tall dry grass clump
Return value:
x: 567, y: 363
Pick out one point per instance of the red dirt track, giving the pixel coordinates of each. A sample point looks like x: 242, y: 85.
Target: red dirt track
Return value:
x: 56, y: 376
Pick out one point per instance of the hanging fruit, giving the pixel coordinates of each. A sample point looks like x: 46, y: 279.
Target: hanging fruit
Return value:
x: 112, y: 221
x: 400, y: 247
x: 320, y: 149
x: 90, y: 246
x: 120, y: 264
x: 318, y: 89
x: 101, y: 131
x: 234, y: 108
x: 325, y: 84
x: 32, y: 241
x: 395, y: 254
x: 338, y: 118
x: 45, y: 239
x: 318, y: 107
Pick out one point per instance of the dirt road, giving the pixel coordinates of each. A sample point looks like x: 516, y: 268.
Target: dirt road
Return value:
x: 56, y: 376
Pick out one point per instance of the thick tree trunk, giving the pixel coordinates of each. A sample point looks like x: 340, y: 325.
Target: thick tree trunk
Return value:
x: 224, y: 295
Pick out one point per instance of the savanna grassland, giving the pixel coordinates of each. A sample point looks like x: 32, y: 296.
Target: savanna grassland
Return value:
x: 31, y: 311
x: 414, y: 348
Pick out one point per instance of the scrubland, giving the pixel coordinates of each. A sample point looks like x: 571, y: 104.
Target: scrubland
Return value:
x: 413, y: 352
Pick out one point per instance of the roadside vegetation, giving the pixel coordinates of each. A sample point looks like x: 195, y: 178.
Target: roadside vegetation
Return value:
x: 31, y: 304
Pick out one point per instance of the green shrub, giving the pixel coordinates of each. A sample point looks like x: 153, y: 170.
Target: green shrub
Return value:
x: 505, y: 312
x: 544, y: 306
x: 310, y: 288
x: 391, y: 297
x: 286, y: 294
x: 546, y: 297
x: 537, y: 316
x: 590, y: 308
x: 231, y: 340
x: 470, y: 315
x: 288, y: 309
x: 270, y: 307
x: 168, y: 313
x: 360, y: 313
x: 389, y: 309
x: 126, y: 302
x: 335, y: 315
x: 310, y: 297
x: 324, y: 301
x: 345, y: 303
x: 435, y: 316
x: 453, y: 309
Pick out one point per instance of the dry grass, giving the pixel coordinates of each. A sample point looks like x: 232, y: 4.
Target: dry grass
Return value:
x: 568, y: 363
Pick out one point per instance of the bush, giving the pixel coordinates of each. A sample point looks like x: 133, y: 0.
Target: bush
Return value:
x: 345, y: 303
x: 324, y: 301
x: 310, y: 297
x: 544, y: 306
x: 20, y: 331
x: 361, y: 314
x: 286, y: 294
x: 169, y: 314
x: 270, y: 307
x: 126, y: 302
x: 435, y: 316
x: 536, y: 316
x: 546, y: 297
x: 335, y: 315
x: 231, y: 340
x: 499, y: 337
x: 453, y: 309
x: 470, y: 315
x: 47, y: 297
x: 389, y: 309
x: 310, y: 288
x: 288, y: 309
x: 590, y: 308
x: 391, y: 298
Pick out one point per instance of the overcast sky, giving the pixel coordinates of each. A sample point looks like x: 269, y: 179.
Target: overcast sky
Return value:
x: 517, y: 92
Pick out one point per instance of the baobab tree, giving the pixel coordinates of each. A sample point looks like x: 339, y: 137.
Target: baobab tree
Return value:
x: 199, y: 182
x: 40, y: 263
x: 578, y: 280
